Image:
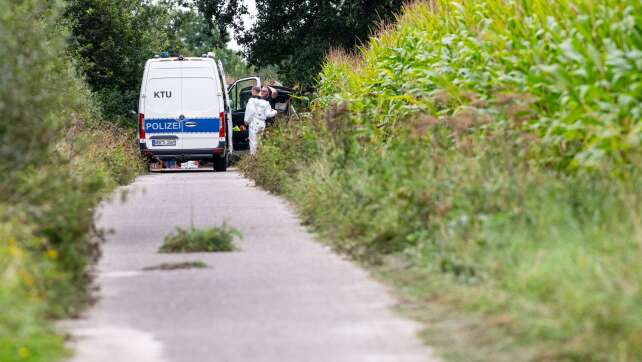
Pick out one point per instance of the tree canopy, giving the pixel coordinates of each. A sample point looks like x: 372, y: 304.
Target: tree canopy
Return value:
x: 111, y: 40
x: 220, y: 15
x: 296, y: 35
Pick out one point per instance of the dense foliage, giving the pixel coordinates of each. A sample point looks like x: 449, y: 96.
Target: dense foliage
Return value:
x: 219, y: 15
x: 56, y: 165
x: 296, y: 35
x: 571, y: 70
x: 189, y: 34
x: 488, y: 153
x: 111, y: 40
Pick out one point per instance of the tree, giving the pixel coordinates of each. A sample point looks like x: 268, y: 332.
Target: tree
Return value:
x: 188, y: 32
x: 220, y: 15
x: 189, y: 35
x: 296, y: 35
x: 111, y: 40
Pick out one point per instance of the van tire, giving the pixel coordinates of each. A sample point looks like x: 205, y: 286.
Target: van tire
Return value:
x: 220, y: 163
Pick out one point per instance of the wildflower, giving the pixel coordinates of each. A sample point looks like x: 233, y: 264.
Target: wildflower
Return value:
x: 52, y: 254
x: 24, y: 352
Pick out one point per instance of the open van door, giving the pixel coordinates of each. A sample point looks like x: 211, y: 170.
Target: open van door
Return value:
x: 227, y: 109
x: 239, y: 94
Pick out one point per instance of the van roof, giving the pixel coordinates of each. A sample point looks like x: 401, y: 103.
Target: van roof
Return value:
x: 180, y: 59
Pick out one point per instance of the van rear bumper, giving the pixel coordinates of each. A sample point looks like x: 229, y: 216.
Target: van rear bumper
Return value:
x: 184, y: 155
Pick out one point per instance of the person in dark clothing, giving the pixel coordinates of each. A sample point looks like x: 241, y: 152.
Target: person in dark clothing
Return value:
x: 269, y: 94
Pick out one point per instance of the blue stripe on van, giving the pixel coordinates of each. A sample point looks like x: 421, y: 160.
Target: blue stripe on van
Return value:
x: 201, y: 125
x: 191, y: 125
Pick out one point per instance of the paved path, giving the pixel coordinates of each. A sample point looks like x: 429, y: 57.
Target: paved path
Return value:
x: 283, y: 297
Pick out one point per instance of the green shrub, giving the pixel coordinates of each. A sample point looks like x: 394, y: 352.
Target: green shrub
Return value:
x: 216, y: 239
x: 287, y: 150
x: 38, y: 89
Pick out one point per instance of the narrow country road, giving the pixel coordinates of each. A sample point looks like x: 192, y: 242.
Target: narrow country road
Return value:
x: 282, y: 297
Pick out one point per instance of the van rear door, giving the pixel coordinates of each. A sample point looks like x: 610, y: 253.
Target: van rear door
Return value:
x: 162, y: 107
x: 202, y: 104
x: 239, y: 93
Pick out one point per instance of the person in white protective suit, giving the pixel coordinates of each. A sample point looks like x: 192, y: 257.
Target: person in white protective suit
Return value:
x: 256, y: 112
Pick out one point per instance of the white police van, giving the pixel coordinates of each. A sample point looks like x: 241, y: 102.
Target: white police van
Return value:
x: 183, y: 111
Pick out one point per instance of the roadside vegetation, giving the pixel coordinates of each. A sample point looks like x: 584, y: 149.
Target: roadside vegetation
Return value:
x: 193, y: 240
x: 484, y: 157
x: 71, y: 71
x: 58, y: 158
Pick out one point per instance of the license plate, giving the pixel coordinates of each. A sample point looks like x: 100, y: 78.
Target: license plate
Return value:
x: 164, y: 142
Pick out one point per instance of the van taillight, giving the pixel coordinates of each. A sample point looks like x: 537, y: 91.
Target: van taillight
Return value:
x: 141, y: 126
x: 221, y: 130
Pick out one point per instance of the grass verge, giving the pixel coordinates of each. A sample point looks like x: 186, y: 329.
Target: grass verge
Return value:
x: 463, y: 156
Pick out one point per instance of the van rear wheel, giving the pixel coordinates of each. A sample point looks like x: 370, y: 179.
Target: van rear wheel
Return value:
x: 220, y: 163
